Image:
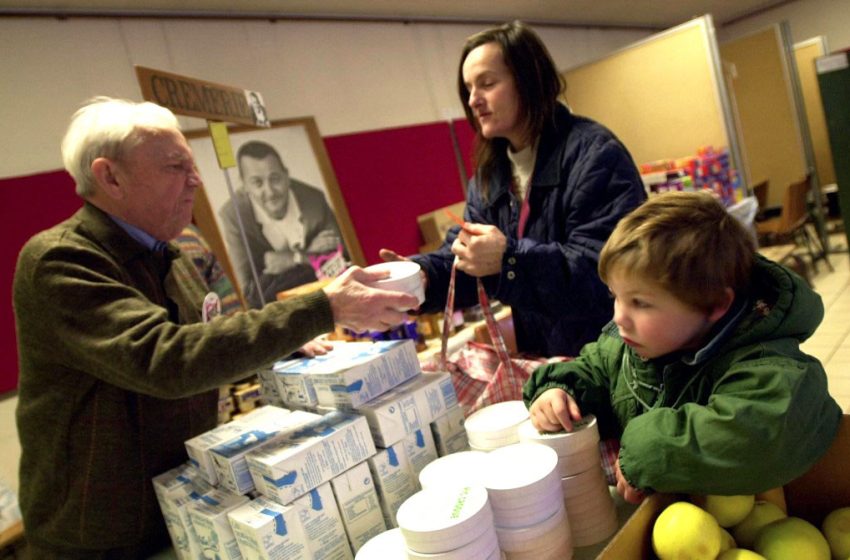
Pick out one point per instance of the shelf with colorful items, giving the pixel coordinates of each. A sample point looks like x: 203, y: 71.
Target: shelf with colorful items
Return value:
x: 709, y: 169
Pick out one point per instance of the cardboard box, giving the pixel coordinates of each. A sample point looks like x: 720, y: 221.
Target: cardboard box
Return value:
x: 356, y: 372
x: 301, y: 460
x: 411, y: 406
x: 823, y: 488
x: 434, y: 225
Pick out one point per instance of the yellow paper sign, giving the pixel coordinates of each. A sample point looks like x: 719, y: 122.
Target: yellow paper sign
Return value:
x: 221, y: 143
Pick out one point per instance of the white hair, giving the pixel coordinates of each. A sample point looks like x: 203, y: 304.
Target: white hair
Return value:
x: 107, y: 127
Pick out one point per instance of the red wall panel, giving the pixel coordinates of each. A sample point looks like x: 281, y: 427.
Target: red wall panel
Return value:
x: 30, y: 204
x: 389, y: 177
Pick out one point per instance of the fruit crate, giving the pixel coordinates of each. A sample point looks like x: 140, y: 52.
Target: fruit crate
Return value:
x: 823, y: 488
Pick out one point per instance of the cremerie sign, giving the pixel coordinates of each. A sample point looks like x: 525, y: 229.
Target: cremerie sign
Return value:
x: 199, y: 98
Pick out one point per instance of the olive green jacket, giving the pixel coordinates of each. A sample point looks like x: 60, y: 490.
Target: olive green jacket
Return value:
x: 116, y: 372
x: 747, y: 412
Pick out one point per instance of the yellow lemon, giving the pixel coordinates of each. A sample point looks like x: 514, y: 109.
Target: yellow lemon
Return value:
x: 685, y: 531
x: 762, y: 513
x: 740, y: 554
x: 727, y: 510
x: 727, y: 542
x: 836, y: 529
x: 792, y: 538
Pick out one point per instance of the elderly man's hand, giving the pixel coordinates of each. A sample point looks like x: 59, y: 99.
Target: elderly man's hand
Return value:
x: 389, y: 256
x: 359, y: 307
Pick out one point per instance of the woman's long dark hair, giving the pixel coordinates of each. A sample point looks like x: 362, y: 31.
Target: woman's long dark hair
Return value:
x: 537, y: 81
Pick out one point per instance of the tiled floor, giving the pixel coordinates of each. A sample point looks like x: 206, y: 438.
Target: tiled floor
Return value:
x: 831, y: 342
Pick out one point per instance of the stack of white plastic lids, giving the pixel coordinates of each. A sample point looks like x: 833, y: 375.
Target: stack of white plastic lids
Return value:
x: 593, y: 514
x: 549, y: 539
x: 496, y: 425
x: 388, y: 545
x: 590, y: 508
x: 463, y: 468
x: 449, y: 523
x: 528, y: 502
x: 577, y: 451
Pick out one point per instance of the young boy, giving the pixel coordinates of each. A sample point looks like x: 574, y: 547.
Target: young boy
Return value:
x: 700, y: 374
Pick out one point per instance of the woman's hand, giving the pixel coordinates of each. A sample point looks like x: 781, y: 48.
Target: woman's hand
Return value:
x: 479, y: 249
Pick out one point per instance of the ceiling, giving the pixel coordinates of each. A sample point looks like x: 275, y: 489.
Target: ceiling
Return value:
x: 636, y: 14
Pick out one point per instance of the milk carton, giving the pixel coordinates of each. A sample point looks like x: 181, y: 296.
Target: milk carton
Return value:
x: 323, y: 525
x: 411, y: 406
x: 353, y: 373
x: 268, y: 387
x: 449, y: 432
x: 294, y: 387
x: 198, y: 447
x: 267, y: 530
x: 310, y: 455
x: 394, y: 480
x: 420, y: 450
x: 212, y: 529
x: 175, y: 489
x: 358, y: 505
x: 229, y: 456
x: 310, y: 528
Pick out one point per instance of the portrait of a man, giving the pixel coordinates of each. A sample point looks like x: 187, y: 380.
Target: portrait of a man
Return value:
x: 290, y: 229
x: 275, y: 215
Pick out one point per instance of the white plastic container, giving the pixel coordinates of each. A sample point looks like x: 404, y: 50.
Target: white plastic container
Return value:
x: 388, y: 545
x: 485, y: 546
x: 585, y: 435
x: 458, y: 469
x: 443, y: 519
x: 521, y: 475
x: 553, y: 529
x: 496, y: 425
x: 404, y: 277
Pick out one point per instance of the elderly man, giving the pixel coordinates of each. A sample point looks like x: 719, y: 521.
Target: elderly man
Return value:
x: 116, y: 368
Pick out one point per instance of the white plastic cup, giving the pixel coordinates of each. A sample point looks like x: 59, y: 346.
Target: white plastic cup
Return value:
x: 404, y: 277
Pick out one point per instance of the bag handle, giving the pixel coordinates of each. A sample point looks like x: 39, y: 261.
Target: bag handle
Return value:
x: 492, y: 327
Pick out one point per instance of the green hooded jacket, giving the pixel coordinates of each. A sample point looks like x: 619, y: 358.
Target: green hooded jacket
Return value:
x: 747, y: 412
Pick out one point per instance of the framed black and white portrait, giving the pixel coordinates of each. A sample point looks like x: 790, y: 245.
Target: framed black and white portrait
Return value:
x: 281, y: 222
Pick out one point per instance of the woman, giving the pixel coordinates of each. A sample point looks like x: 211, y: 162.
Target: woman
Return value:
x: 548, y: 189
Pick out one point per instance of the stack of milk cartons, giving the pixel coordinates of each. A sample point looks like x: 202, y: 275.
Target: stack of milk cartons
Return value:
x: 193, y: 500
x: 383, y: 382
x: 175, y: 489
x: 400, y: 421
x: 296, y: 513
x: 336, y: 451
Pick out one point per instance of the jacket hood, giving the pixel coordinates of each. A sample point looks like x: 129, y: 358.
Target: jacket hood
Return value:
x: 784, y: 306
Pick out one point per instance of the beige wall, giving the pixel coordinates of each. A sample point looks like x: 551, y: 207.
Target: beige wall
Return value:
x: 350, y: 76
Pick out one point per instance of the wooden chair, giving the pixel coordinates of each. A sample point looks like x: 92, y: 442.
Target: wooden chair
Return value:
x: 791, y: 224
x: 760, y: 191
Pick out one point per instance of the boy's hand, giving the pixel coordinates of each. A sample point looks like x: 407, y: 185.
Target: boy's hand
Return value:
x: 554, y: 411
x: 628, y: 492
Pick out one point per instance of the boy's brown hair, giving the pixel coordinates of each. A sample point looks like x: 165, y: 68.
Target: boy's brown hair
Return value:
x: 687, y: 243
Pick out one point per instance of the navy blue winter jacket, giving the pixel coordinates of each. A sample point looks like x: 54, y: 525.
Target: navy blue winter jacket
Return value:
x: 584, y: 181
